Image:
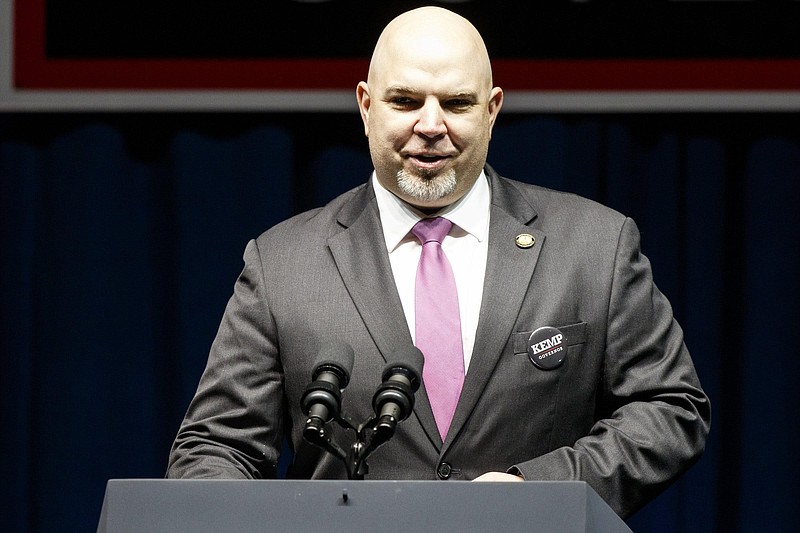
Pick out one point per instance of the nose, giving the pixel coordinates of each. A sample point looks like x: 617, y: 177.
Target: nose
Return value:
x: 430, y: 122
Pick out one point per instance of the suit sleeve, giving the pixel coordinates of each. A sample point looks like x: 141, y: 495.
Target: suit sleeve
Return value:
x: 233, y: 427
x: 652, y: 417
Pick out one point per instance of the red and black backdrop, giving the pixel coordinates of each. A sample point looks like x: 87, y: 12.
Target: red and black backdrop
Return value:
x: 256, y: 44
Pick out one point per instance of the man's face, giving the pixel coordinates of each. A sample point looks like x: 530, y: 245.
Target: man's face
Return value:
x: 428, y: 110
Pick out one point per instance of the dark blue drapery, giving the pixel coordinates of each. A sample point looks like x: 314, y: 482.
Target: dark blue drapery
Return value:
x: 121, y: 237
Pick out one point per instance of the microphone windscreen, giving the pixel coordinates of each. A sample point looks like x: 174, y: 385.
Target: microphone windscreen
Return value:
x: 408, y: 360
x: 337, y: 355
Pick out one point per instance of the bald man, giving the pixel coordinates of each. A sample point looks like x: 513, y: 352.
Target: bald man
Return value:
x: 568, y: 364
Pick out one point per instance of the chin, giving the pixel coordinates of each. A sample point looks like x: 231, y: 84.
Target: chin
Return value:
x: 427, y: 187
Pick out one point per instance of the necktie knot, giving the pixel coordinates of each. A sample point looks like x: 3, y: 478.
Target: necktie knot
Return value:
x: 432, y: 229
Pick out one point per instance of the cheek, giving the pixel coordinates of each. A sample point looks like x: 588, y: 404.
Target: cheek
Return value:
x: 383, y: 149
x: 384, y: 142
x: 475, y: 136
x: 390, y: 128
x: 467, y: 130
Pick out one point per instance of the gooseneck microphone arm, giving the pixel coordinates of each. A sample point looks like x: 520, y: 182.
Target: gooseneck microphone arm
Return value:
x: 393, y: 402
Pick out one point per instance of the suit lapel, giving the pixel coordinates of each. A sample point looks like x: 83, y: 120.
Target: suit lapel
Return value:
x: 509, y: 269
x: 363, y: 262
x: 360, y: 254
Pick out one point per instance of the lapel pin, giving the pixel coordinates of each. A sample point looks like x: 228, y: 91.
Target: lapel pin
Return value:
x: 524, y: 240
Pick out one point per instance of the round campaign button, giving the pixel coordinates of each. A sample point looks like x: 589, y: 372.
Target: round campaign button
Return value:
x: 547, y: 348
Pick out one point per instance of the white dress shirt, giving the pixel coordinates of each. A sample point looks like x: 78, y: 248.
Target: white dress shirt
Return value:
x: 466, y: 248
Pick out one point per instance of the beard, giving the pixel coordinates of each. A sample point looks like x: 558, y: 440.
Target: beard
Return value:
x: 427, y: 186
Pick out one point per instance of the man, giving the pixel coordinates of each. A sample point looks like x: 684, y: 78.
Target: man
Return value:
x: 568, y: 364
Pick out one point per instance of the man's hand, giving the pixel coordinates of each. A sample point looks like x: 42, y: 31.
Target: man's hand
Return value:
x: 498, y: 476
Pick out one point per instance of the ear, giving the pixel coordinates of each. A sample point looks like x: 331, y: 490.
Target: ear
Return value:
x: 495, y: 103
x: 362, y: 96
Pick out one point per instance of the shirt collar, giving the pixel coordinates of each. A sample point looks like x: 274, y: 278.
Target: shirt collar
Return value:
x: 470, y: 213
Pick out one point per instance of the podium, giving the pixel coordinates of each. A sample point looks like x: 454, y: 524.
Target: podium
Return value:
x: 196, y: 506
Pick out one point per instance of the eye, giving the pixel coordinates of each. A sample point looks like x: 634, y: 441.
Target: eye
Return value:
x: 403, y: 102
x: 459, y: 104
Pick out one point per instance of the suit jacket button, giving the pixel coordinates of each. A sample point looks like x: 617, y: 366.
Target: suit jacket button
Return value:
x: 444, y: 470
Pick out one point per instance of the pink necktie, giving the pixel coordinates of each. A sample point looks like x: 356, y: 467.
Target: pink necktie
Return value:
x: 438, y: 323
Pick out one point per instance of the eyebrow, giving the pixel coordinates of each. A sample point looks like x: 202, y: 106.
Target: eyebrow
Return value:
x: 400, y: 89
x: 404, y: 89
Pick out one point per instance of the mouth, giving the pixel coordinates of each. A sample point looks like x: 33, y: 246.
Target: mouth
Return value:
x: 428, y: 160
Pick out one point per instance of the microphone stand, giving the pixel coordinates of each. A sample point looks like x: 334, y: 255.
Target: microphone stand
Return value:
x: 369, y: 436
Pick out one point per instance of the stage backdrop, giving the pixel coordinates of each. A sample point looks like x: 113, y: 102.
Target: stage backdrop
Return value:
x: 293, y: 44
x: 122, y: 235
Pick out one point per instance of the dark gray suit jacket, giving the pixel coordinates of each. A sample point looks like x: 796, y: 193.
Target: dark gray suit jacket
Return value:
x: 625, y: 411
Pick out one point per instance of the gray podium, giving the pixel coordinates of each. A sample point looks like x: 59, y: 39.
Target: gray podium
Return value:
x: 173, y: 506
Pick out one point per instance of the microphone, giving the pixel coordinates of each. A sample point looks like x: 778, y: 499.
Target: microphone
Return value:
x: 322, y: 399
x: 394, y: 399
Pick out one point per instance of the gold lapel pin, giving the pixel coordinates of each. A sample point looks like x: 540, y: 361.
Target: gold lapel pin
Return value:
x: 525, y: 240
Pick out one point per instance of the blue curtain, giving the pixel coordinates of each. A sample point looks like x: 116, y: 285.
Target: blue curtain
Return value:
x: 121, y: 236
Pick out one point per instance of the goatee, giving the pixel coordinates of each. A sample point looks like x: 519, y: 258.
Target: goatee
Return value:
x: 427, y: 186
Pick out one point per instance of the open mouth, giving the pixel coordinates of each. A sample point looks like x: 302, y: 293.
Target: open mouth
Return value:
x: 428, y: 159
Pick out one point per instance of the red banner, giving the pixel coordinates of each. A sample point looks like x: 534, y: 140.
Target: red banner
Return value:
x: 41, y: 64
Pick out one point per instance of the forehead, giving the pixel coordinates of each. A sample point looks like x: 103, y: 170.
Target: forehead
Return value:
x: 432, y: 64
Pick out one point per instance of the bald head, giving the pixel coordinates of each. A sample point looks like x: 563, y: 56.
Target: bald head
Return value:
x: 428, y: 107
x: 429, y: 34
